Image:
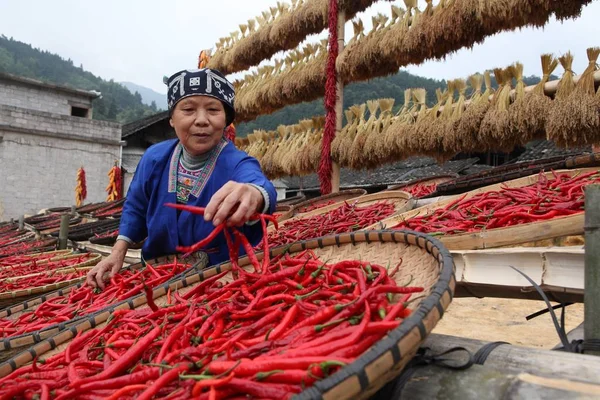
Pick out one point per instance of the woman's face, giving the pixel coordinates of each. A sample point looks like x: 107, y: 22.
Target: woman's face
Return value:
x: 199, y: 122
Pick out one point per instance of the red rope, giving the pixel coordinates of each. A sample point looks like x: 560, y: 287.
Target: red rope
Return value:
x: 326, y: 164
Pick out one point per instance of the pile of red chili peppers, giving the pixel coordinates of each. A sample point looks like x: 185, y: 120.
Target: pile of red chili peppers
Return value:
x: 36, y: 266
x: 315, y: 206
x: 108, y: 213
x: 268, y: 333
x: 86, y: 300
x: 108, y: 234
x: 40, y: 280
x: 25, y: 259
x: 24, y: 247
x: 547, y: 199
x: 420, y: 190
x: 344, y: 219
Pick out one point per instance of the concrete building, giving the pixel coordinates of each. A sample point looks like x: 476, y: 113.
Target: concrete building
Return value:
x: 46, y: 134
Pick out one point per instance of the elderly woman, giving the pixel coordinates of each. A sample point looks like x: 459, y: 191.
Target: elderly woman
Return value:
x: 199, y: 168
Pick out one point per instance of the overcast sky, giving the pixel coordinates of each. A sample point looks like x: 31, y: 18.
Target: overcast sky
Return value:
x: 142, y: 40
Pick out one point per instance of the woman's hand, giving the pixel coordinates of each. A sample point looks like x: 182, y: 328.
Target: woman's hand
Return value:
x: 108, y: 267
x: 235, y: 203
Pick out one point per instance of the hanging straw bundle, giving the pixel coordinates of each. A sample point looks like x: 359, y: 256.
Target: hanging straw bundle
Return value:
x: 388, y: 142
x: 568, y: 9
x: 375, y: 150
x: 434, y: 134
x: 406, y: 142
x: 575, y: 118
x: 496, y: 122
x: 315, y: 146
x: 276, y: 140
x: 449, y: 140
x: 339, y: 138
x: 422, y: 141
x: 468, y: 128
x: 535, y: 106
x: 566, y: 86
x: 357, y: 155
x: 516, y: 111
x: 347, y: 141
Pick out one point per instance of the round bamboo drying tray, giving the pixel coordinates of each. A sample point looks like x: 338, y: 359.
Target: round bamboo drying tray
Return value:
x: 19, y: 239
x: 95, y: 258
x: 403, y: 201
x: 10, y: 346
x: 497, y: 237
x: 301, y: 208
x: 285, y: 215
x: 54, y: 255
x: 424, y: 181
x: 291, y: 201
x: 10, y: 298
x: 426, y: 260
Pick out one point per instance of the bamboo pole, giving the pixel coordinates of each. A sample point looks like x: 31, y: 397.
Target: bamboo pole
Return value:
x: 339, y: 104
x: 63, y: 233
x: 592, y: 265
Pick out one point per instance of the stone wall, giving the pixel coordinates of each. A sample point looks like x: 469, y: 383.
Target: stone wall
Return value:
x: 39, y: 156
x: 41, y: 98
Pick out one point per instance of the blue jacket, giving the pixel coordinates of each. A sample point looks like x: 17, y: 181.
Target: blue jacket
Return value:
x: 144, y: 214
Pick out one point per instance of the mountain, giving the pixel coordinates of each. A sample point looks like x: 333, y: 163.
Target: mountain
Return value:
x: 148, y: 95
x: 117, y: 102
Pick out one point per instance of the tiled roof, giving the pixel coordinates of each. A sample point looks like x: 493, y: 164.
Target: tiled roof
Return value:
x: 135, y: 126
x: 390, y: 174
x: 547, y: 149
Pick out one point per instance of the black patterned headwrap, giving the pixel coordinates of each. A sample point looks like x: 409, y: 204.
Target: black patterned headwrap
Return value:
x: 201, y: 82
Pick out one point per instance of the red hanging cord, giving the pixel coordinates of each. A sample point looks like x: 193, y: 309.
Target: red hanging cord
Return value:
x: 326, y: 164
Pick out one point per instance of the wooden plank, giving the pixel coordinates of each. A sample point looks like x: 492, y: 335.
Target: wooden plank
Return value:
x: 592, y: 265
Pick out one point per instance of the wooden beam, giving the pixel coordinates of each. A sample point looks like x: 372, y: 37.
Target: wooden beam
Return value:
x: 592, y: 265
x: 482, y: 382
x: 339, y: 103
x: 518, y: 359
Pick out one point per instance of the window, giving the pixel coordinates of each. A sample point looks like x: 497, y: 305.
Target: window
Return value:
x: 79, y: 112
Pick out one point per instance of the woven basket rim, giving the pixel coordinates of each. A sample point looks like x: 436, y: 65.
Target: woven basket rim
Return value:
x: 519, y: 182
x: 396, y: 194
x: 423, y: 180
x: 60, y: 255
x: 94, y: 258
x: 31, y: 338
x: 38, y: 289
x: 432, y: 303
x: 341, y: 193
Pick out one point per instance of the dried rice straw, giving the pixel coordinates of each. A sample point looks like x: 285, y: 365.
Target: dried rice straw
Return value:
x: 468, y: 128
x: 419, y: 141
x: 450, y: 142
x: 376, y: 153
x: 495, y: 124
x: 389, y: 138
x: 536, y: 105
x: 357, y: 160
x: 406, y: 142
x: 434, y: 145
x: 575, y: 119
x: 348, y: 140
x: 339, y: 138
